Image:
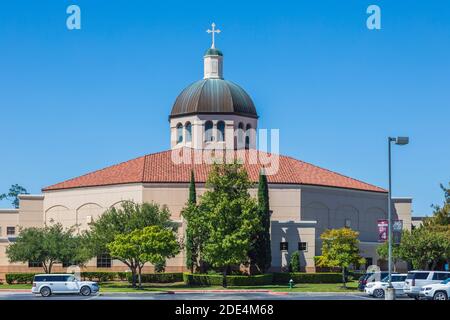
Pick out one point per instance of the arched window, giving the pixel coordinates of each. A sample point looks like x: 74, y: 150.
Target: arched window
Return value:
x: 240, y: 135
x: 248, y: 129
x: 188, y: 135
x: 209, y: 131
x: 220, y: 131
x: 179, y: 133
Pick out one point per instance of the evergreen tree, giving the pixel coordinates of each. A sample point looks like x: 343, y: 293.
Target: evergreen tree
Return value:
x: 191, y: 248
x: 260, y: 255
x: 192, y: 191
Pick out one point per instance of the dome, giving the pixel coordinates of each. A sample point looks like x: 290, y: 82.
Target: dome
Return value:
x: 213, y: 52
x: 209, y: 96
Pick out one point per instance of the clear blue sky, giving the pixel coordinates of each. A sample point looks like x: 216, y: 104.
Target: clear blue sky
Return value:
x: 75, y: 101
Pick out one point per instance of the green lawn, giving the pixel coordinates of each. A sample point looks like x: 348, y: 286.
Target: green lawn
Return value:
x: 126, y: 287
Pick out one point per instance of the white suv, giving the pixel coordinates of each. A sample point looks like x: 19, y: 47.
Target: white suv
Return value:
x: 418, y: 279
x: 48, y: 284
x: 377, y: 288
x: 437, y: 291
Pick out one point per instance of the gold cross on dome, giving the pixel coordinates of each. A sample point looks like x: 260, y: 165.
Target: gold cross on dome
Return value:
x: 213, y: 30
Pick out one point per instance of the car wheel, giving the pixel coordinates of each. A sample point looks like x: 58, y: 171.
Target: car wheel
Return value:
x: 46, y: 292
x: 378, y: 293
x: 440, y: 295
x: 85, y: 291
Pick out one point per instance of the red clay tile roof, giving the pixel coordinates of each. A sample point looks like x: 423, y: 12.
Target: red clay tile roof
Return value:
x: 159, y: 168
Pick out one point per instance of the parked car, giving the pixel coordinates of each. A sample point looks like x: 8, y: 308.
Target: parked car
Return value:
x: 437, y: 291
x: 378, y: 288
x: 48, y: 284
x: 370, y: 277
x: 418, y: 278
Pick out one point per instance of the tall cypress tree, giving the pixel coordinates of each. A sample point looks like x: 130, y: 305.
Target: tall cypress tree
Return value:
x: 192, y: 192
x: 191, y: 250
x: 261, y: 254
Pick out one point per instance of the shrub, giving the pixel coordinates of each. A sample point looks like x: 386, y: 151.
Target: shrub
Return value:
x: 294, y: 263
x: 233, y: 280
x: 256, y: 280
x: 122, y: 276
x: 158, y: 277
x: 301, y: 277
x: 99, y: 276
x: 19, y: 278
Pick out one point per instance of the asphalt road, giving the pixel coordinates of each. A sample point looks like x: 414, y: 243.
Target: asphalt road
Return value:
x: 192, y: 296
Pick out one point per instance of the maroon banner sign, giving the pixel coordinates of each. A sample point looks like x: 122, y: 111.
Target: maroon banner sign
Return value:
x: 383, y: 229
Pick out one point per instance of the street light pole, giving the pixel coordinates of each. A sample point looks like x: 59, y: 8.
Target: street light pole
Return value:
x: 390, y: 293
x: 390, y: 215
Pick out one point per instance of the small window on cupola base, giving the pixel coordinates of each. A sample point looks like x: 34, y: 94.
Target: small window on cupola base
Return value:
x: 188, y: 128
x: 248, y: 129
x: 209, y: 131
x: 179, y: 133
x: 220, y: 131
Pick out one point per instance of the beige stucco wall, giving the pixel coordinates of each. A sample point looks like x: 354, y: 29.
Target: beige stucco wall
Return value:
x: 299, y: 214
x: 79, y: 206
x: 292, y: 232
x: 334, y: 208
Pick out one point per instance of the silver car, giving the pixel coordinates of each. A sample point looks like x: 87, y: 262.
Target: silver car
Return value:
x: 48, y: 284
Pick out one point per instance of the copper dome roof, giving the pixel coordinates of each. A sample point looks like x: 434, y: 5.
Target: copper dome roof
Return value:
x: 209, y: 96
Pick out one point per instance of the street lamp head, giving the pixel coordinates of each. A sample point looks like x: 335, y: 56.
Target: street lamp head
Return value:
x: 402, y: 141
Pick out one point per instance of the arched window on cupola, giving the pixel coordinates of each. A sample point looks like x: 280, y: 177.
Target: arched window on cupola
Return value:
x: 240, y: 135
x: 179, y: 133
x: 220, y: 131
x: 188, y: 134
x: 209, y: 131
x: 248, y: 130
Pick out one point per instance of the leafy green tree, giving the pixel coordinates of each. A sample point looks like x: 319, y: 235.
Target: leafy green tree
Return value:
x: 152, y: 244
x: 47, y: 245
x: 382, y: 251
x: 121, y: 221
x: 294, y: 263
x: 424, y: 248
x: 429, y: 245
x: 230, y: 217
x: 261, y: 253
x: 191, y: 245
x: 13, y: 194
x: 441, y: 214
x: 340, y: 249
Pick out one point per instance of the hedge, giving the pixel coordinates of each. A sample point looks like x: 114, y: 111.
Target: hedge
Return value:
x: 19, y: 277
x: 100, y: 276
x: 299, y: 277
x: 158, y: 277
x: 217, y: 280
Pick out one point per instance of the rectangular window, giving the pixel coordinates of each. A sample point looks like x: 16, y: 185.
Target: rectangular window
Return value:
x: 284, y: 246
x: 10, y: 231
x: 34, y: 264
x: 302, y: 246
x: 104, y: 261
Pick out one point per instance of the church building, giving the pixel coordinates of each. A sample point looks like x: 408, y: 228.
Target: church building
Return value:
x: 208, y: 116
